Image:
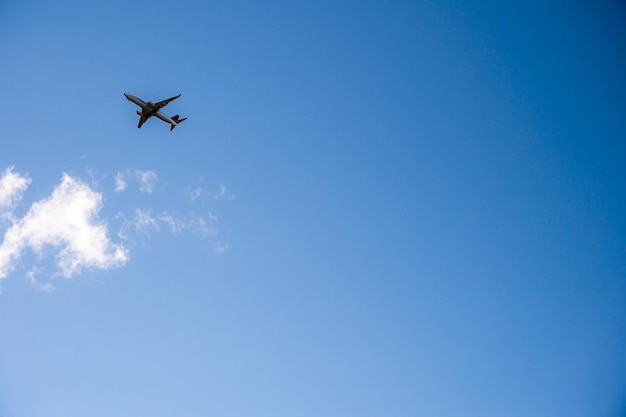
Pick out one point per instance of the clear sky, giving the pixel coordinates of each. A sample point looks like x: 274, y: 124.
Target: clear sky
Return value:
x: 375, y: 208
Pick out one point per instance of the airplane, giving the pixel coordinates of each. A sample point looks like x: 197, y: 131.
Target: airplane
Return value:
x: 150, y: 109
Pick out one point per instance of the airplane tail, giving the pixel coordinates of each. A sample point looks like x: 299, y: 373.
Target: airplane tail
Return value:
x: 177, y: 121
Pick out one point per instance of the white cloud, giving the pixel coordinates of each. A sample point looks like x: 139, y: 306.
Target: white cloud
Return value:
x: 12, y: 186
x: 67, y: 222
x: 65, y: 227
x: 120, y: 182
x: 147, y: 179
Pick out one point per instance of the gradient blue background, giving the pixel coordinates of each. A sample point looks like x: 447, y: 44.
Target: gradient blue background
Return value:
x: 430, y: 211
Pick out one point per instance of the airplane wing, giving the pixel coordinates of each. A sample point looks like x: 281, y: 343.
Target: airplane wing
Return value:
x: 135, y: 100
x: 142, y: 120
x: 164, y: 103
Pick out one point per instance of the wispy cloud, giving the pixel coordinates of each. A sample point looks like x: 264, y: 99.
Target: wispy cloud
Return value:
x: 67, y: 222
x: 140, y: 222
x: 120, y: 182
x: 200, y: 193
x: 31, y: 276
x: 147, y: 180
x: 195, y: 194
x: 145, y: 222
x: 221, y: 247
x: 224, y: 194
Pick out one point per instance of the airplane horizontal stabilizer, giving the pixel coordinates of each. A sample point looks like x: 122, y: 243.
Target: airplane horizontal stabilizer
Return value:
x: 177, y: 121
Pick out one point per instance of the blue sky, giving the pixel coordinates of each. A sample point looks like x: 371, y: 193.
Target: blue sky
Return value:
x: 375, y: 208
